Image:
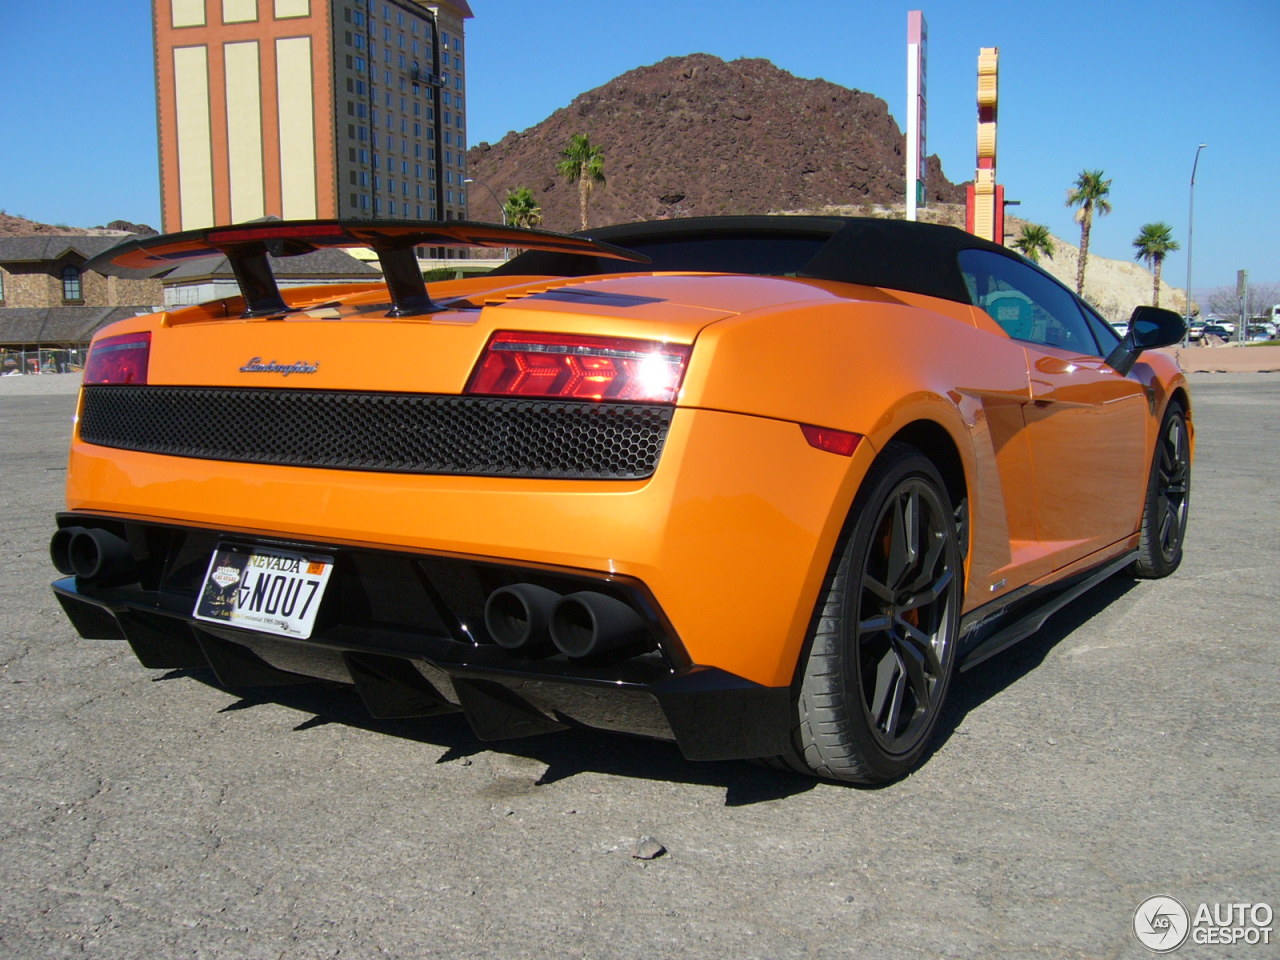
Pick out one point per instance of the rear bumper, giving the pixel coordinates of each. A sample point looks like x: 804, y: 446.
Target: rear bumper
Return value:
x: 406, y: 629
x: 732, y: 534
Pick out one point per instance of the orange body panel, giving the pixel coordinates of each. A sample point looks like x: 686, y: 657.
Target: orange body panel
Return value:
x: 734, y: 532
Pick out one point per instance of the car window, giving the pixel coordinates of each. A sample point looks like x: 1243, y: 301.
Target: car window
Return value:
x: 1027, y: 304
x: 1106, y: 335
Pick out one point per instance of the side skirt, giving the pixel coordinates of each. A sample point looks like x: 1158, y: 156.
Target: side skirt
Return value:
x: 984, y: 632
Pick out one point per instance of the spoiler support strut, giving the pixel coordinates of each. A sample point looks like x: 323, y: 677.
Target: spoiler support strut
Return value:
x: 247, y: 245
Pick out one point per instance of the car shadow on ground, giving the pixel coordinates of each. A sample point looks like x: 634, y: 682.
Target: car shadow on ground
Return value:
x: 582, y: 749
x: 566, y: 753
x: 988, y: 679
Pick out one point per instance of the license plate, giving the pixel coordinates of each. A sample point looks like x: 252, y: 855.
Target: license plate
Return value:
x: 262, y: 588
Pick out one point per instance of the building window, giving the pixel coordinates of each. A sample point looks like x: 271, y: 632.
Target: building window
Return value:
x: 71, y: 283
x: 1, y: 288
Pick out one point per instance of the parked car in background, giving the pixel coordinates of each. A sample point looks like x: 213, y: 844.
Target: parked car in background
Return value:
x: 668, y: 479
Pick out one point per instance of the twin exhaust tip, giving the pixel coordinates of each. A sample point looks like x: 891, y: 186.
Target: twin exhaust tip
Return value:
x: 94, y: 555
x: 533, y: 619
x: 521, y: 617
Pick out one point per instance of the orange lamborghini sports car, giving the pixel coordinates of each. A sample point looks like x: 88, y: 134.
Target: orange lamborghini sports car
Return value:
x: 758, y: 485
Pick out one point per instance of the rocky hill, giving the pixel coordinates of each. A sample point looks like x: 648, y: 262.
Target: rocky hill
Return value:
x: 697, y: 135
x: 11, y: 226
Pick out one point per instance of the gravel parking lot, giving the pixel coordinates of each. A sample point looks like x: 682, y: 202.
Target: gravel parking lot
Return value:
x: 1127, y: 750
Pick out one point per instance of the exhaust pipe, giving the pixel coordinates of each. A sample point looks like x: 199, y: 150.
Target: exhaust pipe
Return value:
x: 93, y: 555
x: 587, y: 624
x: 60, y: 549
x: 517, y: 616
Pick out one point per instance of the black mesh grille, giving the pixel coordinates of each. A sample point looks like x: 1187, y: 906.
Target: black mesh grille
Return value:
x: 390, y: 432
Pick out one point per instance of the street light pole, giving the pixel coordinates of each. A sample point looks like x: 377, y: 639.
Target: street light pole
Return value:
x: 501, y: 209
x: 1191, y: 213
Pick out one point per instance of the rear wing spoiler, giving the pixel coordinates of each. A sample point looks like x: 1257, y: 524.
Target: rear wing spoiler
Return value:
x: 247, y: 245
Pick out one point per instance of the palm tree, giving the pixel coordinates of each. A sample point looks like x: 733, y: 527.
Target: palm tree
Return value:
x: 1090, y: 195
x: 520, y: 209
x: 584, y: 163
x: 1034, y: 242
x: 1153, y: 241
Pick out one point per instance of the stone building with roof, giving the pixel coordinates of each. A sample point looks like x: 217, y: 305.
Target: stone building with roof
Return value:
x: 50, y: 305
x: 211, y: 278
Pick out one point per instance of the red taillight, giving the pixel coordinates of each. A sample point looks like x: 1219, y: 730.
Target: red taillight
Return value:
x: 582, y: 368
x: 833, y: 441
x: 120, y: 359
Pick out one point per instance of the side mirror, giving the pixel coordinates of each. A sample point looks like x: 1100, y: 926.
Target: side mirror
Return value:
x: 1149, y: 328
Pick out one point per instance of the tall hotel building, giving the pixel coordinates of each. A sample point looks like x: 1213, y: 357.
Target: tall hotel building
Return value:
x: 310, y: 108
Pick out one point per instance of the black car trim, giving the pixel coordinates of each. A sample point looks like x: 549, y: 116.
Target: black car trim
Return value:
x: 382, y: 431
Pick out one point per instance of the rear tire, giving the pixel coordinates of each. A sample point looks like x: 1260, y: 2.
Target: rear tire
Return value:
x: 882, y: 650
x: 1164, y: 516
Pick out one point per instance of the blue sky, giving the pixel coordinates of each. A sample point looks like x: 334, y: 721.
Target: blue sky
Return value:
x: 1127, y: 86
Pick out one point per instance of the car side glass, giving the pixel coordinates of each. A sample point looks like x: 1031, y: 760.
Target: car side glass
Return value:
x: 1103, y: 332
x: 1055, y: 318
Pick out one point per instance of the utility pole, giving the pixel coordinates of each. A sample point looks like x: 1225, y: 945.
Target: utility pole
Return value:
x: 1191, y: 214
x: 1242, y: 294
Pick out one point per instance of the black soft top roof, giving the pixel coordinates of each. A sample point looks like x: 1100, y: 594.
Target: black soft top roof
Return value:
x: 896, y: 254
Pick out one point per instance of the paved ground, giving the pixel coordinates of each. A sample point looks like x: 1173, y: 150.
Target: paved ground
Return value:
x: 1129, y: 749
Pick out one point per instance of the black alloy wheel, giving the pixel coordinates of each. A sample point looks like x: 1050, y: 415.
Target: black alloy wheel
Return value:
x: 903, y: 628
x: 882, y: 651
x: 1164, y: 517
